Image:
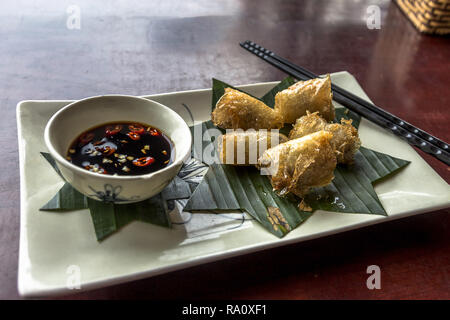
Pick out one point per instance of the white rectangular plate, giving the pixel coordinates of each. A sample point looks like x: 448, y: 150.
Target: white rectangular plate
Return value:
x: 50, y: 243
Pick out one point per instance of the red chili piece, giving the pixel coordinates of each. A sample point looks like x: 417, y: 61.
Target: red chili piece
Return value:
x: 154, y: 132
x: 86, y: 137
x: 136, y: 128
x: 110, y: 130
x: 107, y: 150
x: 134, y: 135
x: 144, y: 161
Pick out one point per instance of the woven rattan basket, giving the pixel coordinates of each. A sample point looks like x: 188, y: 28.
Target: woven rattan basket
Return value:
x: 428, y: 16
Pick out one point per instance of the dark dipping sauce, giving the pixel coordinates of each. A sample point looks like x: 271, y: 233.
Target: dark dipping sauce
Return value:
x: 121, y: 148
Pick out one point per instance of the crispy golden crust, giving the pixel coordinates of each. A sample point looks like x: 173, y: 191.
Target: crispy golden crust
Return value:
x: 308, y: 124
x: 345, y: 139
x: 243, y: 148
x: 237, y: 110
x: 300, y: 164
x: 312, y: 95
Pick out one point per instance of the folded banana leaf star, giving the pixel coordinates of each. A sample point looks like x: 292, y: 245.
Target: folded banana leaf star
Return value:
x: 231, y: 188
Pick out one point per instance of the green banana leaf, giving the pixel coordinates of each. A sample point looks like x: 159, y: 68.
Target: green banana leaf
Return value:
x: 107, y: 218
x: 228, y: 188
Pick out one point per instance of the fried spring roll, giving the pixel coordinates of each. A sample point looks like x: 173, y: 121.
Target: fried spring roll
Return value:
x: 300, y: 164
x: 243, y: 148
x: 237, y: 110
x: 345, y: 139
x: 312, y: 95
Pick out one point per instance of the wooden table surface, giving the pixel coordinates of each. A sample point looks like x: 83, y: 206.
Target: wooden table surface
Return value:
x: 138, y: 48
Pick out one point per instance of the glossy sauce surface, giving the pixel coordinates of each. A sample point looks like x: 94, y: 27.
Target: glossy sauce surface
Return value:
x: 121, y: 148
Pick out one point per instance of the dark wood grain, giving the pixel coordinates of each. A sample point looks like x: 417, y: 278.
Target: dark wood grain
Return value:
x: 141, y: 48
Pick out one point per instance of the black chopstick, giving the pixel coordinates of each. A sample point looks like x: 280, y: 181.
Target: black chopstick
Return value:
x: 410, y: 133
